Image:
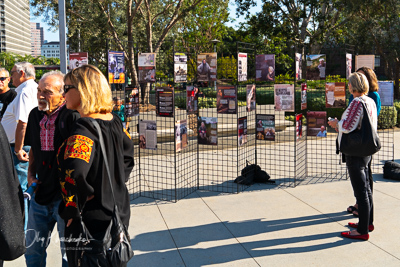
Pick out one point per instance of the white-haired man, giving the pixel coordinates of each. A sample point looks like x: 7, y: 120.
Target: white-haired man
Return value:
x: 15, y: 119
x: 48, y: 127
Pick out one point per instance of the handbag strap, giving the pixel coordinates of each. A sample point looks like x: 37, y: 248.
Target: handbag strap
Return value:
x: 102, y: 146
x: 366, y: 113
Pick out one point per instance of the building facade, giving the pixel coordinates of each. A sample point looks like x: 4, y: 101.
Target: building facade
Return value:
x: 37, y: 39
x: 52, y: 49
x: 15, y: 34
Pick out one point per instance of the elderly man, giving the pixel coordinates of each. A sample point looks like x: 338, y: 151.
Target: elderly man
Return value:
x: 6, y: 94
x: 15, y: 119
x: 48, y: 127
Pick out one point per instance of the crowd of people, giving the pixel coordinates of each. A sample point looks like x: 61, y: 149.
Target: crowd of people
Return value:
x: 48, y: 130
x: 48, y: 139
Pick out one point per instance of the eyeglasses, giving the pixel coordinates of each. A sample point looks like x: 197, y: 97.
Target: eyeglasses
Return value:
x: 67, y: 87
x: 3, y: 78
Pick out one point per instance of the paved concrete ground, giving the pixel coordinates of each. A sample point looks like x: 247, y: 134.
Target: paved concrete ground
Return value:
x: 262, y: 227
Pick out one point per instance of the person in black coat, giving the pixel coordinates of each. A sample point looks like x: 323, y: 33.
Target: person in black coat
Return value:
x: 12, y: 239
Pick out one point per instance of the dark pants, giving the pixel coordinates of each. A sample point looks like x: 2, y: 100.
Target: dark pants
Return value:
x: 359, y: 177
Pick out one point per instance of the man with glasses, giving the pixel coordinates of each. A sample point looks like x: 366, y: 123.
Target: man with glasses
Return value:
x: 15, y: 119
x: 6, y: 94
x: 49, y: 125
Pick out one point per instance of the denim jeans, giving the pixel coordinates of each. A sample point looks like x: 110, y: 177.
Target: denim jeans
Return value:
x: 359, y: 177
x: 22, y: 171
x: 42, y: 219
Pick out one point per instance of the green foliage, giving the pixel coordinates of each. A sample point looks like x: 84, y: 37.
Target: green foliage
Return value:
x: 387, y: 118
x: 397, y: 107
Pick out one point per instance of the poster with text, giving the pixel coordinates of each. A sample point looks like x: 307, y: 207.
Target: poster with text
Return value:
x: 116, y: 67
x: 180, y: 67
x: 192, y: 99
x: 207, y: 127
x: 316, y: 67
x: 349, y: 65
x: 242, y: 131
x: 365, y: 61
x: 78, y: 59
x: 316, y: 123
x: 148, y: 134
x: 335, y: 95
x: 147, y: 67
x: 299, y: 126
x: 131, y: 102
x: 265, y: 127
x: 386, y: 93
x: 242, y: 67
x: 284, y: 97
x: 303, y: 96
x: 298, y: 66
x: 181, y: 136
x: 251, y: 97
x: 226, y: 99
x: 207, y: 67
x: 165, y: 102
x: 265, y: 68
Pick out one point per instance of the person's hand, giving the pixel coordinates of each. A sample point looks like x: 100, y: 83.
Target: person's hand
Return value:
x: 32, y: 179
x: 333, y: 123
x: 69, y: 222
x: 22, y: 155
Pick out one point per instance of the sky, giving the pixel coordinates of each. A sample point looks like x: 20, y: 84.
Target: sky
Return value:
x: 54, y: 36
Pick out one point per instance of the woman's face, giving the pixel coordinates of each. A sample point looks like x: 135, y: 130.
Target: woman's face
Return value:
x: 72, y: 97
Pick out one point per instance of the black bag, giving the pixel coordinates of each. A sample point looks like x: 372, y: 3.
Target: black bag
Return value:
x: 361, y: 142
x: 391, y: 170
x: 114, y: 249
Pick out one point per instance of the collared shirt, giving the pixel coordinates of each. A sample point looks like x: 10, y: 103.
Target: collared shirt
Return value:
x: 19, y: 109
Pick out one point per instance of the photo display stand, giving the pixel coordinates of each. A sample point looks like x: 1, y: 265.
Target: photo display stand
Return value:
x: 130, y: 122
x: 275, y: 130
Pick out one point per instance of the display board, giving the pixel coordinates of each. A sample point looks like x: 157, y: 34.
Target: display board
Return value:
x: 165, y: 102
x: 250, y: 97
x: 349, y: 65
x: 148, y: 134
x: 265, y: 67
x: 180, y: 68
x: 131, y: 102
x: 242, y: 131
x: 316, y: 67
x: 78, y: 59
x: 207, y: 67
x: 207, y: 131
x: 386, y: 93
x: 316, y: 123
x: 147, y: 67
x: 192, y: 93
x: 335, y: 95
x: 242, y: 67
x: 265, y: 127
x: 298, y: 66
x: 303, y: 96
x: 284, y: 97
x: 226, y: 99
x: 365, y: 61
x: 181, y: 135
x: 116, y: 67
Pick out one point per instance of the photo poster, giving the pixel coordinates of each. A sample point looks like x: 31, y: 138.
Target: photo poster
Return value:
x: 165, y: 102
x: 298, y: 66
x: 386, y: 93
x: 131, y: 102
x: 349, y: 65
x: 207, y: 67
x: 181, y: 137
x: 207, y: 134
x: 284, y: 97
x: 251, y: 97
x: 265, y: 68
x: 299, y: 126
x: 242, y: 131
x: 226, y: 99
x: 192, y: 93
x: 265, y: 127
x: 148, y: 134
x: 78, y: 59
x: 365, y: 61
x: 242, y: 67
x: 316, y: 67
x: 303, y: 96
x: 335, y: 95
x: 116, y: 67
x: 147, y: 67
x: 316, y: 123
x: 180, y: 68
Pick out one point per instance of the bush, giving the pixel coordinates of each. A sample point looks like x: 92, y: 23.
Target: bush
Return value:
x: 397, y: 107
x: 387, y: 118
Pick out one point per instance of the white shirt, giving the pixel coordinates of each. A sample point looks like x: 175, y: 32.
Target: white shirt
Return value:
x: 20, y: 107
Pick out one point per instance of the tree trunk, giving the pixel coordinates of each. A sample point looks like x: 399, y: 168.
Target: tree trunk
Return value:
x: 396, y: 80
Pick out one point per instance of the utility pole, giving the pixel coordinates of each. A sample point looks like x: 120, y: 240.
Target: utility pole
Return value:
x: 62, y: 31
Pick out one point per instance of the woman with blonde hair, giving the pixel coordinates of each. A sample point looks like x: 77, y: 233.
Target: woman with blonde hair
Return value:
x: 372, y: 93
x: 83, y: 177
x: 358, y: 165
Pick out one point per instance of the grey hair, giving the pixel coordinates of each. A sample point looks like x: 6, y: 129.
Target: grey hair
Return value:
x: 60, y: 77
x: 27, y: 68
x: 359, y: 83
x: 6, y: 71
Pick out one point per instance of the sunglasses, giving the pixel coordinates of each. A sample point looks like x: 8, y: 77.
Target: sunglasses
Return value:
x: 68, y: 87
x: 3, y: 78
